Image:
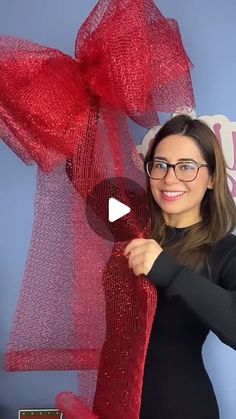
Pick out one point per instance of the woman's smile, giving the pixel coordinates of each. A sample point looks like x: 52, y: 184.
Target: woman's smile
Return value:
x: 171, y: 195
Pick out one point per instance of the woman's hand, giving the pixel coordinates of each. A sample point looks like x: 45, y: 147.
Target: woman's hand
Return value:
x: 142, y: 254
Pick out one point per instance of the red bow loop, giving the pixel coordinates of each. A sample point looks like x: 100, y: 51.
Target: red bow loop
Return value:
x: 131, y: 57
x: 44, y: 102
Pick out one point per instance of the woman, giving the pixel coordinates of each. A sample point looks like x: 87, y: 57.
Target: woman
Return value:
x: 192, y: 261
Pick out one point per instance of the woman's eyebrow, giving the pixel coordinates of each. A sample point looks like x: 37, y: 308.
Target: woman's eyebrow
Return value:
x: 179, y: 160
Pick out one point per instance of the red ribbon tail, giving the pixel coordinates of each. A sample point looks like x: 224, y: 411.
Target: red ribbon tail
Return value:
x: 72, y: 407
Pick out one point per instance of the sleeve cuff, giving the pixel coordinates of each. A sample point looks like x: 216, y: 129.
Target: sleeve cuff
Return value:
x: 164, y: 270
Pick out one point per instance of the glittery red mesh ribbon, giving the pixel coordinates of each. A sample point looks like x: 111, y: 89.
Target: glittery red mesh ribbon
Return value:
x: 80, y: 306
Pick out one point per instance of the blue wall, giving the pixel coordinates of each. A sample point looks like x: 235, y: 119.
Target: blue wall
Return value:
x: 209, y: 32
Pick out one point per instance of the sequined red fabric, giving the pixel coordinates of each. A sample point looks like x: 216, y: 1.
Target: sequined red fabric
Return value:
x: 80, y: 306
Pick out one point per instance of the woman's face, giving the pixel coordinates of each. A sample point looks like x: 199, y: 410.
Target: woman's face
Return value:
x: 182, y: 210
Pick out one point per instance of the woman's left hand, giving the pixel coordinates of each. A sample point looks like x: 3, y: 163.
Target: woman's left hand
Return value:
x: 142, y: 254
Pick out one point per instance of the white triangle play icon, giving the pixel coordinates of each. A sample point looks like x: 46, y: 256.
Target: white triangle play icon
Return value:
x: 116, y: 209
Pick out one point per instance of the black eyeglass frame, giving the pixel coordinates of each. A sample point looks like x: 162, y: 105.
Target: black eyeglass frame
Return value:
x: 168, y: 165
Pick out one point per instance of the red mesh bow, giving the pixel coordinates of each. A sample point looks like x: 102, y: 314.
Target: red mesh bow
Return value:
x: 80, y: 306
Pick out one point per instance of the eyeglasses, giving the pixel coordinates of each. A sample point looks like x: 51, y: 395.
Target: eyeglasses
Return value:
x: 184, y: 171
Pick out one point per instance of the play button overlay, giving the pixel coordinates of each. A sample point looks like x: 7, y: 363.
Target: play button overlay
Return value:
x: 117, y: 209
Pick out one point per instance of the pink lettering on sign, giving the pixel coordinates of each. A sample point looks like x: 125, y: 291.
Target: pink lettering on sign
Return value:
x: 217, y: 128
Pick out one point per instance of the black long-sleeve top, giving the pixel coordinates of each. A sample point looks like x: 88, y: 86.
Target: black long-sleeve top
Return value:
x: 176, y: 384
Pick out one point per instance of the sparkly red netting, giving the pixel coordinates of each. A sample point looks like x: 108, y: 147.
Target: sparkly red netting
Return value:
x: 80, y: 306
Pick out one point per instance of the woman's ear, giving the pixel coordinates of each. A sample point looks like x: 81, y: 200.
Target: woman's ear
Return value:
x: 211, y: 182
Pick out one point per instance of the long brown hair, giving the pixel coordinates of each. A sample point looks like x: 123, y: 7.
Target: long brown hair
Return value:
x: 218, y: 210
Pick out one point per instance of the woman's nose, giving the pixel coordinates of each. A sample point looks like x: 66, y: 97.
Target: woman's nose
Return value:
x: 170, y: 176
